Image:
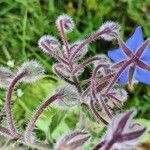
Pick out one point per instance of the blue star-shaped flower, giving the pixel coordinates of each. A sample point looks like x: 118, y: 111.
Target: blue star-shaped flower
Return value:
x: 137, y: 52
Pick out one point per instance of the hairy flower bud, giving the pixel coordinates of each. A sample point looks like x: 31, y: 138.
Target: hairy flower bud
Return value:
x: 103, y: 59
x: 61, y: 69
x: 71, y: 96
x: 123, y: 133
x: 111, y: 30
x: 48, y: 41
x: 118, y: 96
x: 33, y: 70
x: 5, y: 77
x: 72, y: 141
x: 80, y: 53
x: 66, y: 21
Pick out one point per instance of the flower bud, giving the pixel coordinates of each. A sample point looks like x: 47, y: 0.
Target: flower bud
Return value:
x: 33, y: 70
x: 103, y: 59
x: 66, y: 21
x: 5, y: 77
x: 48, y: 41
x: 71, y: 96
x: 123, y: 133
x: 72, y: 141
x: 120, y: 94
x: 111, y: 30
x: 81, y: 53
x: 61, y: 69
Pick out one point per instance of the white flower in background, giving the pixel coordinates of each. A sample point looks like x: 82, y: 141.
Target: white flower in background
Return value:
x: 10, y: 63
x: 20, y: 93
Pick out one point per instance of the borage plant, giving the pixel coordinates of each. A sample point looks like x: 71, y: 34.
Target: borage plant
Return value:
x: 100, y: 94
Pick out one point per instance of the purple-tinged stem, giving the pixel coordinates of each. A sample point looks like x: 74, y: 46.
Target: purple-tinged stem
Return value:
x: 97, y: 115
x: 90, y: 39
x: 105, y: 107
x: 115, y: 78
x: 94, y: 91
x: 109, y: 145
x: 114, y: 99
x: 74, y: 134
x: 62, y: 77
x: 76, y: 83
x: 9, y: 117
x: 106, y: 78
x: 85, y: 63
x: 64, y: 38
x: 98, y: 146
x: 57, y: 57
x: 118, y: 65
x: 5, y: 131
x: 98, y: 83
x: 31, y: 124
x: 75, y: 144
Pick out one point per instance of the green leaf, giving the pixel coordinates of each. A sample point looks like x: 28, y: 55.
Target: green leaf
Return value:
x: 71, y: 119
x: 146, y: 123
x: 88, y: 112
x: 56, y: 120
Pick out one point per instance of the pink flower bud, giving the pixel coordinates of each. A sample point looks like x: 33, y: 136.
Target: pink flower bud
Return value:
x: 70, y: 98
x: 33, y: 70
x: 123, y: 133
x: 111, y: 30
x: 80, y: 53
x: 66, y: 21
x: 48, y: 41
x: 72, y: 141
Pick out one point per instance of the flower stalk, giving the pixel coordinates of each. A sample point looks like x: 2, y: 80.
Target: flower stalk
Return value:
x: 9, y: 117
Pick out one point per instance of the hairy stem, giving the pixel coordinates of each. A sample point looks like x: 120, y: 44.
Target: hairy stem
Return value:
x: 97, y: 115
x: 98, y: 146
x: 85, y: 63
x: 64, y: 38
x: 5, y: 131
x: 109, y: 145
x: 90, y: 39
x: 117, y: 75
x: 53, y: 53
x: 9, y: 117
x: 76, y: 83
x: 100, y: 100
x: 62, y: 77
x: 31, y: 124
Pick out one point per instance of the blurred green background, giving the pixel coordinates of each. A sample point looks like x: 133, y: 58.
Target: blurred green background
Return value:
x: 23, y: 22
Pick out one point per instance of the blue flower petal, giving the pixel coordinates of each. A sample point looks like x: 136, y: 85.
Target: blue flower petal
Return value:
x: 123, y: 79
x: 146, y: 56
x: 142, y: 75
x: 117, y: 55
x: 135, y: 40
